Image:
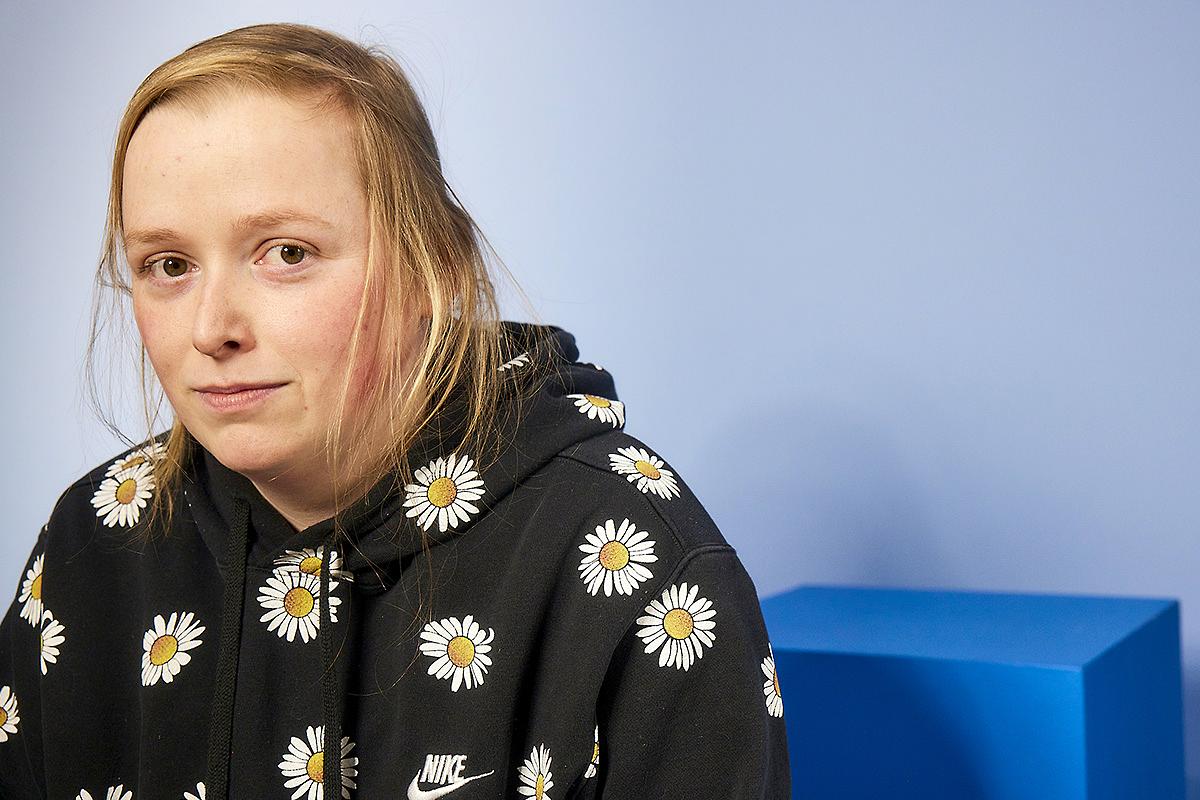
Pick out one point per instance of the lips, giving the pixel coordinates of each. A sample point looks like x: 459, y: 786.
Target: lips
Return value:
x: 232, y: 388
x: 237, y: 398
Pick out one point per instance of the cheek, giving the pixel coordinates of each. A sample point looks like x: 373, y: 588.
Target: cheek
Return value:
x: 321, y: 340
x: 155, y: 333
x: 366, y: 367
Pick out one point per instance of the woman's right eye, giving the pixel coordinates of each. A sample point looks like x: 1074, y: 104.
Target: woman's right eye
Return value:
x: 173, y: 267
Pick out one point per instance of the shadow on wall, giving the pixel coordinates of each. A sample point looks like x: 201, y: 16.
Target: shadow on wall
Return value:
x: 827, y: 492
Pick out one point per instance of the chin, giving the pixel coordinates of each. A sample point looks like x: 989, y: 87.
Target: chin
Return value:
x: 253, y: 450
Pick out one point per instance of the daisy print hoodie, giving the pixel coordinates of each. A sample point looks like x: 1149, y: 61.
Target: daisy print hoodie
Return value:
x: 564, y: 623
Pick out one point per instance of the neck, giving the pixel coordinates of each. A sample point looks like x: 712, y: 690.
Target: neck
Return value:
x: 293, y: 495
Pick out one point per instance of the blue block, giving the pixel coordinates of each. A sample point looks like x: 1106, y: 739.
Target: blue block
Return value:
x: 970, y: 695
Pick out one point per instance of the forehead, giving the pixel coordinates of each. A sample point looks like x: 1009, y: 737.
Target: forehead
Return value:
x: 237, y: 151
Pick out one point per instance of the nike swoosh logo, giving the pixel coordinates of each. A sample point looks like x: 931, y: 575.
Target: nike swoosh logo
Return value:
x: 432, y: 794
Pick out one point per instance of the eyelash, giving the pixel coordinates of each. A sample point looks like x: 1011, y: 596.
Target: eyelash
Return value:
x: 149, y: 265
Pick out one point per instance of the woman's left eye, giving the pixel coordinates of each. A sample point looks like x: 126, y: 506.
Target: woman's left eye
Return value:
x: 291, y: 254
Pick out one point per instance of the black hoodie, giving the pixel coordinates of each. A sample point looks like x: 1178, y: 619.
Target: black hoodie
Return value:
x: 577, y: 628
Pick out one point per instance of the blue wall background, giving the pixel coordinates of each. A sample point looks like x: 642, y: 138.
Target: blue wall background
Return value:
x: 906, y: 292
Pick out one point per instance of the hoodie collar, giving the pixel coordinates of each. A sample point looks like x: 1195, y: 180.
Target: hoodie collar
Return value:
x: 381, y: 536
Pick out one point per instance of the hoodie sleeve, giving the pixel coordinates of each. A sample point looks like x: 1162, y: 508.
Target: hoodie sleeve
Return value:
x: 20, y: 672
x: 691, y: 705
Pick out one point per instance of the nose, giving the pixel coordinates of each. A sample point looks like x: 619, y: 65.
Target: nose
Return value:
x: 222, y: 322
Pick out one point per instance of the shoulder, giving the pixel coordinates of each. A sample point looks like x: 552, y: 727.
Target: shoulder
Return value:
x: 112, y: 493
x: 637, y: 535
x: 630, y: 476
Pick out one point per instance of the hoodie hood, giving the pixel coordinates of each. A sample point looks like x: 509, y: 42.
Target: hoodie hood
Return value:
x: 384, y: 530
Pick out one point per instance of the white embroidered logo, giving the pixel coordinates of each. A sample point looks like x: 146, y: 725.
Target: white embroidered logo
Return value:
x: 443, y: 769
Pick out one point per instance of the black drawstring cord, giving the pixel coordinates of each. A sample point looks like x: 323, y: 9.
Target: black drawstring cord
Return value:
x: 216, y: 785
x: 332, y: 773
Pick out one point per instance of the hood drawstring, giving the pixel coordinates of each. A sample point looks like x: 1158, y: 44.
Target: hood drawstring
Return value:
x: 331, y: 780
x: 216, y: 784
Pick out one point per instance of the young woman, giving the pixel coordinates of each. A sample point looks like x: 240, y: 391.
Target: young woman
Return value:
x: 389, y: 543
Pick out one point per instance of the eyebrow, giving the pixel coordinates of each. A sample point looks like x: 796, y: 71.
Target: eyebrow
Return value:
x: 246, y: 222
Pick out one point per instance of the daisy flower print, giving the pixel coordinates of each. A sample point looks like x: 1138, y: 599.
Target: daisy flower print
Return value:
x: 31, y: 592
x: 595, y: 762
x: 50, y: 637
x: 118, y: 792
x: 122, y: 496
x: 8, y: 713
x: 771, y: 690
x: 308, y: 561
x: 644, y: 470
x: 518, y: 361
x: 459, y: 650
x: 445, y: 492
x: 536, y: 775
x: 679, y: 625
x: 166, y: 644
x: 304, y: 765
x: 616, y: 557
x: 292, y: 600
x: 196, y: 795
x: 141, y: 455
x: 601, y: 408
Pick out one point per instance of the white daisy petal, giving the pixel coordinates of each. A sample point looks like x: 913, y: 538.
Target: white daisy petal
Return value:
x: 292, y: 599
x: 305, y: 758
x: 123, y: 494
x: 164, y: 644
x: 611, y: 563
x: 519, y: 361
x: 459, y: 648
x: 646, y: 471
x: 672, y: 621
x: 536, y: 775
x: 444, y: 492
x: 600, y: 408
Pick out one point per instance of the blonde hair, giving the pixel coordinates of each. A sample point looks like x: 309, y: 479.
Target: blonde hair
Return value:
x: 422, y: 245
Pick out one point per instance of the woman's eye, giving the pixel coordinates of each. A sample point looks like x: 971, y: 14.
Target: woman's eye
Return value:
x: 292, y: 254
x: 173, y: 267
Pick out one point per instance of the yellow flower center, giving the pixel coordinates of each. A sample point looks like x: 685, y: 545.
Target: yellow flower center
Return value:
x: 311, y: 565
x: 647, y: 469
x: 461, y: 651
x: 299, y: 602
x: 126, y: 491
x: 316, y: 767
x: 599, y: 402
x: 595, y: 752
x: 614, y: 555
x: 541, y: 786
x: 163, y: 649
x: 3, y: 716
x: 36, y: 588
x: 775, y: 680
x: 442, y: 492
x: 678, y: 623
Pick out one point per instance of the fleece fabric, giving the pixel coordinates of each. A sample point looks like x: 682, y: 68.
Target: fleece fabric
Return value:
x: 564, y: 623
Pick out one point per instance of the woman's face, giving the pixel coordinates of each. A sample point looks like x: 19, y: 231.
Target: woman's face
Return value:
x: 253, y: 230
